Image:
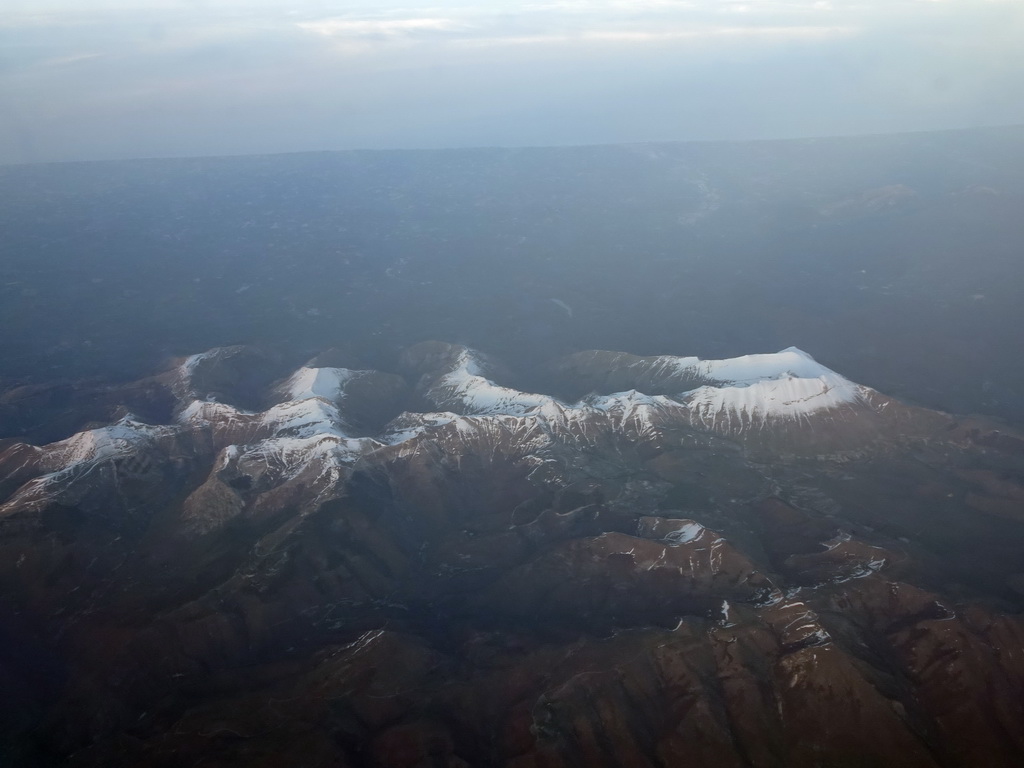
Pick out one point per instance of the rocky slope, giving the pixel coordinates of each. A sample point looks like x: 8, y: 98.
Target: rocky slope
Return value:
x: 751, y: 561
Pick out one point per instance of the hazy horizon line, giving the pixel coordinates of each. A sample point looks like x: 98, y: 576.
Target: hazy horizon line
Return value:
x: 483, y: 147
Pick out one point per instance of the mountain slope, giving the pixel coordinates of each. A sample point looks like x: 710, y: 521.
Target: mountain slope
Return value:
x: 732, y: 562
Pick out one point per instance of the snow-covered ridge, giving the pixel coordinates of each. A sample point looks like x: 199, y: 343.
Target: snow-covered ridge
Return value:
x: 185, y: 373
x: 744, y: 391
x: 123, y: 438
x: 288, y: 456
x: 749, y: 369
x: 758, y: 402
x: 311, y: 408
x: 750, y: 391
x: 736, y: 394
x: 304, y: 418
x: 200, y: 413
x: 467, y: 390
x: 77, y: 456
x: 188, y: 367
x: 307, y: 425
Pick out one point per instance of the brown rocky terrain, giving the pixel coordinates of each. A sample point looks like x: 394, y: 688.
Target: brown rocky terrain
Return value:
x: 751, y: 562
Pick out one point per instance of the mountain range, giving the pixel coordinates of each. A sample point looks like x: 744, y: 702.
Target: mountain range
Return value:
x: 663, y: 560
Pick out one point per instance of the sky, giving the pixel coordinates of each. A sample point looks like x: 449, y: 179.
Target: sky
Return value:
x: 100, y: 79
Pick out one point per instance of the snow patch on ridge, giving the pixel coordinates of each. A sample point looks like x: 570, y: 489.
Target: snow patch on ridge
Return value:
x: 82, y: 453
x: 687, y: 532
x: 466, y: 388
x: 287, y: 456
x: 627, y: 402
x: 755, y: 403
x: 188, y: 367
x: 630, y: 408
x: 206, y: 412
x: 519, y: 431
x: 409, y: 425
x: 293, y: 418
x: 305, y: 429
x: 305, y: 418
x: 121, y: 439
x: 743, y: 393
x: 749, y: 369
x: 328, y: 383
x: 186, y: 371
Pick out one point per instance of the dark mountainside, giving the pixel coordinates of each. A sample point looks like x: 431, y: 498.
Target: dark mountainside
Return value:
x: 324, y: 460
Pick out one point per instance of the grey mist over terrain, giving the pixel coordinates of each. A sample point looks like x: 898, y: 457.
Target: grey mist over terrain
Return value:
x: 894, y: 260
x: 174, y: 78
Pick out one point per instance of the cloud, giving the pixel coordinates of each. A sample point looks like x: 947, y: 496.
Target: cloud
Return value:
x: 380, y: 27
x: 193, y: 77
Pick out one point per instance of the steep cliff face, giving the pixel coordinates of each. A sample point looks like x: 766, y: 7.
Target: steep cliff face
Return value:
x: 741, y: 562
